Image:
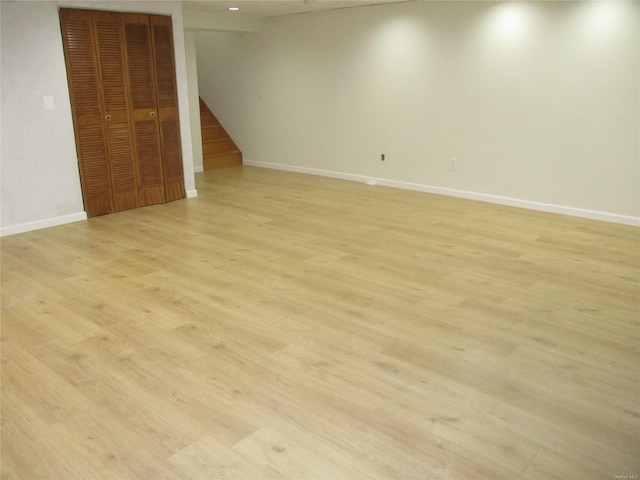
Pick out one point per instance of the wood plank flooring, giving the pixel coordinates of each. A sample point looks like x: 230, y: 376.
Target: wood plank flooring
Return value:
x: 283, y: 326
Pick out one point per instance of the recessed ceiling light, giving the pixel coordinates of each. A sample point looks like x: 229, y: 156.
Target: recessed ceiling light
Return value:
x: 234, y: 9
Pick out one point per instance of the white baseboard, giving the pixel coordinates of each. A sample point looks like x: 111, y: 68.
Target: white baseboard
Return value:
x: 482, y: 197
x: 55, y: 221
x: 38, y: 224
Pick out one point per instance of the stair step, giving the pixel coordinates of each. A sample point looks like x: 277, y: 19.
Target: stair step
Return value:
x: 222, y: 160
x: 224, y: 138
x: 223, y: 145
x: 212, y: 132
x: 222, y: 154
x: 207, y: 120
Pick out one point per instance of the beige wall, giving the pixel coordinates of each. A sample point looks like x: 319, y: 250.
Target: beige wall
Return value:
x: 38, y: 163
x: 194, y: 99
x: 539, y: 102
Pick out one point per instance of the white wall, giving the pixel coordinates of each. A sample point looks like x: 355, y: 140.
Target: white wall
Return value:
x: 194, y: 99
x: 38, y: 163
x: 539, y: 102
x: 40, y: 180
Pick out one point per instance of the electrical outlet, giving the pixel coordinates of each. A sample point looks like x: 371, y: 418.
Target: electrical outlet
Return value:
x: 453, y: 164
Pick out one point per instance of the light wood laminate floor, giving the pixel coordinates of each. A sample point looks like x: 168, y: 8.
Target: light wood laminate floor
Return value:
x: 283, y: 326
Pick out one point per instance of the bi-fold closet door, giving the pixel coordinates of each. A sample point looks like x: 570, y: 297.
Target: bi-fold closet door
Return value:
x: 121, y: 73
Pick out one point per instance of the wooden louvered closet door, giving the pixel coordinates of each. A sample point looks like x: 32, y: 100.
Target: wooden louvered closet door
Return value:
x: 88, y: 117
x: 162, y: 36
x: 116, y: 112
x: 144, y: 107
x: 128, y: 144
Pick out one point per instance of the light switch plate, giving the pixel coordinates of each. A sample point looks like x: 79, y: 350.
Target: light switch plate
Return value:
x: 48, y: 102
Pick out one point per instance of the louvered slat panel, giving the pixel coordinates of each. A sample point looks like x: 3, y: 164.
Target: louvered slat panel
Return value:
x: 125, y: 191
x: 120, y: 152
x: 148, y: 154
x: 171, y: 150
x: 139, y: 64
x: 110, y: 57
x: 168, y: 106
x: 94, y: 163
x: 151, y: 182
x: 172, y: 158
x: 165, y: 69
x: 82, y: 72
x: 174, y: 180
x: 94, y: 170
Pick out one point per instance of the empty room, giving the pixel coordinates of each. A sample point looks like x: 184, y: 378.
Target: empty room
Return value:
x: 320, y: 239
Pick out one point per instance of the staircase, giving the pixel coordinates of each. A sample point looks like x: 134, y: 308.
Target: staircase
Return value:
x: 218, y: 150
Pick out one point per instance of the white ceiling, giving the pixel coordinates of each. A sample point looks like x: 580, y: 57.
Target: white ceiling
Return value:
x: 273, y: 8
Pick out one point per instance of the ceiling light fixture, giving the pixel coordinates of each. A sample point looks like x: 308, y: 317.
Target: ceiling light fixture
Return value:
x: 234, y: 9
